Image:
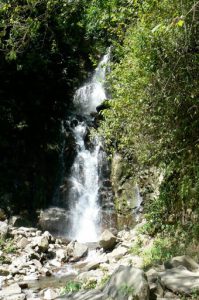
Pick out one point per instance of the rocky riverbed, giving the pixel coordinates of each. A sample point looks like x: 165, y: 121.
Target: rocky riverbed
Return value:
x: 36, y: 265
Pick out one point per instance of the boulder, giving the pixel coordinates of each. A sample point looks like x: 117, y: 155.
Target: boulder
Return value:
x: 12, y: 289
x: 155, y: 284
x: 107, y: 240
x: 127, y: 283
x: 76, y: 250
x: 3, y: 229
x: 61, y: 255
x: 23, y: 243
x: 80, y: 250
x: 54, y: 219
x: 180, y: 280
x: 41, y: 242
x: 185, y: 261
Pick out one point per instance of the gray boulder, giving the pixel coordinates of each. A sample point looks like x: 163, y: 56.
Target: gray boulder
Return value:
x: 107, y: 240
x: 185, y: 261
x: 23, y: 242
x: 180, y: 280
x: 41, y: 242
x: 61, y: 255
x: 12, y: 289
x: 76, y: 250
x: 127, y: 283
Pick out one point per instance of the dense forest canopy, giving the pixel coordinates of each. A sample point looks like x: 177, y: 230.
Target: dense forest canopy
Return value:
x: 47, y: 48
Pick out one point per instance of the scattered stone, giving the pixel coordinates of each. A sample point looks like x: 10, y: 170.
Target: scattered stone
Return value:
x: 23, y: 243
x: 107, y: 240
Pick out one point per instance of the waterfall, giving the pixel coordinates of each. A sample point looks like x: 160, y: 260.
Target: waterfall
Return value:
x: 84, y: 179
x: 90, y: 95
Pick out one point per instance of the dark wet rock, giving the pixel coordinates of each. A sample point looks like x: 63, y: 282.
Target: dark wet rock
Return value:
x: 20, y: 220
x: 54, y: 219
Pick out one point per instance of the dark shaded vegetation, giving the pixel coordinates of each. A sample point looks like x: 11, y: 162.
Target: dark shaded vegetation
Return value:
x: 47, y: 48
x: 43, y: 56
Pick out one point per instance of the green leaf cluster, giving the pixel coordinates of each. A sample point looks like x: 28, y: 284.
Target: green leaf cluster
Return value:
x: 153, y: 118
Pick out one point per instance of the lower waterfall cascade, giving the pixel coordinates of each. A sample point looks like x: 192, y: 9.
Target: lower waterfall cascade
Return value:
x: 85, y: 216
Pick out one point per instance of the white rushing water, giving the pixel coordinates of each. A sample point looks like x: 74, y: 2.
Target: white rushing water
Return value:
x: 92, y: 94
x: 83, y: 195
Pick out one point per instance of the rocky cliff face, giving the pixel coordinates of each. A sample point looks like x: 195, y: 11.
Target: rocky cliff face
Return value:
x: 131, y: 192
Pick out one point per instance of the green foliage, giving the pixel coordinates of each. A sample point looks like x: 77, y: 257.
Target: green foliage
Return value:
x: 153, y: 117
x: 71, y: 286
x: 7, y: 246
x: 90, y: 284
x: 162, y: 250
x: 109, y: 19
x: 125, y: 290
x: 104, y: 280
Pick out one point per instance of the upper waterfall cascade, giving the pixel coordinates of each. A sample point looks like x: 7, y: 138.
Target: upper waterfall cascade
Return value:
x: 92, y: 94
x: 84, y: 179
